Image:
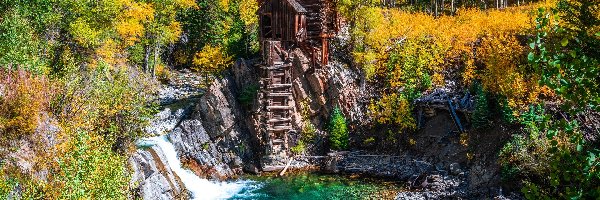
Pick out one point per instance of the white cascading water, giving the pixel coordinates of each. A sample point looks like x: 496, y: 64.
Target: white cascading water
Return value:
x: 200, y: 188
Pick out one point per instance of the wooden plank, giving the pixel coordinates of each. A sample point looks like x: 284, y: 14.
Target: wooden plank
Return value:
x: 279, y: 94
x: 454, y: 116
x: 270, y: 168
x: 280, y: 120
x: 279, y: 107
x: 283, y: 127
x: 279, y: 85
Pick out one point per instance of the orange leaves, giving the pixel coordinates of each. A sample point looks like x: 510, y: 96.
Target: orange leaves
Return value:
x: 505, y: 72
x: 409, y: 52
x: 379, y: 30
x: 23, y: 98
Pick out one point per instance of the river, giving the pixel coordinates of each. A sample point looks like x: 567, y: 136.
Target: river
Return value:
x: 305, y: 186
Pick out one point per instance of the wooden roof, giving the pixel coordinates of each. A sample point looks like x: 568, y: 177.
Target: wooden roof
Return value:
x: 297, y: 7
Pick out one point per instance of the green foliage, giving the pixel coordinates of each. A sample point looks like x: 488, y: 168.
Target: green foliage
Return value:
x: 91, y: 170
x: 572, y: 168
x: 309, y: 131
x: 115, y: 101
x: 10, y: 180
x: 507, y: 112
x: 566, y: 53
x: 19, y: 46
x: 229, y: 24
x: 481, y: 115
x: 83, y: 167
x: 369, y: 141
x: 527, y: 154
x: 49, y: 34
x: 248, y: 95
x: 338, y: 130
x: 299, y: 148
x: 551, y: 159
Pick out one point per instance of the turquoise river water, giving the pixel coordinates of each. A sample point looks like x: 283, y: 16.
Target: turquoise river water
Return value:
x: 300, y: 186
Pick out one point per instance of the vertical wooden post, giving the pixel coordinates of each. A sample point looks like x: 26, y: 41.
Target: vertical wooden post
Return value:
x: 324, y: 49
x: 296, y: 20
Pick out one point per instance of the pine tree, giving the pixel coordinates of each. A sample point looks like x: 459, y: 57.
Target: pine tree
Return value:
x: 480, y: 117
x: 338, y: 130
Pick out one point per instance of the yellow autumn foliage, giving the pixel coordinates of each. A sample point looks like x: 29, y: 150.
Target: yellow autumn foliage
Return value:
x: 211, y: 60
x: 248, y: 9
x: 131, y: 25
x: 393, y: 109
x: 410, y: 52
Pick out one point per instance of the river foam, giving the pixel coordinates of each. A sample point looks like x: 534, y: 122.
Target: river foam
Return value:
x: 200, y: 188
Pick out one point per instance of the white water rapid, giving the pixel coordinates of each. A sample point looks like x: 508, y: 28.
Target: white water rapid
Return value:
x: 200, y: 188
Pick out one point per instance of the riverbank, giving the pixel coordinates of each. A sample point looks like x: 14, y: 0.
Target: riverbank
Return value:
x: 211, y: 142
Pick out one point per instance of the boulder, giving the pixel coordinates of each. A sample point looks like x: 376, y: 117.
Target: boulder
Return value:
x: 215, y: 109
x: 152, y: 178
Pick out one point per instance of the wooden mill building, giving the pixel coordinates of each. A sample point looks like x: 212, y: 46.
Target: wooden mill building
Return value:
x: 286, y: 25
x: 305, y: 24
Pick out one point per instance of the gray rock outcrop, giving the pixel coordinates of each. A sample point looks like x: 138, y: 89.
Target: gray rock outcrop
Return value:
x: 213, y: 140
x: 152, y: 178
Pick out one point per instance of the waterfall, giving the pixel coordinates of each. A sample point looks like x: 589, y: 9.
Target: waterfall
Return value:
x: 200, y: 188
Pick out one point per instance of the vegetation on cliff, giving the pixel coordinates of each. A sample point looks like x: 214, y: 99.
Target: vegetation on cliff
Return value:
x: 521, y: 59
x: 77, y: 82
x: 338, y: 130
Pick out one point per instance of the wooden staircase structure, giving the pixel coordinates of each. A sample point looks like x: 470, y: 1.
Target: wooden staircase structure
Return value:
x: 276, y: 95
x: 286, y: 25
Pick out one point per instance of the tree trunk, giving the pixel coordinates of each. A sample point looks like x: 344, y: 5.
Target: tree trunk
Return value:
x: 156, y: 50
x: 436, y: 8
x: 146, y: 58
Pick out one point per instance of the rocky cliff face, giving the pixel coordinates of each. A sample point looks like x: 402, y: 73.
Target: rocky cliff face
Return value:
x: 214, y: 140
x: 318, y: 91
x: 208, y: 132
x: 152, y: 178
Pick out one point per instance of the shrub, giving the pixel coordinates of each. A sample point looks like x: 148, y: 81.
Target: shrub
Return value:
x: 19, y: 46
x: 88, y: 168
x: 566, y: 52
x: 565, y: 55
x: 299, y: 148
x: 248, y: 95
x: 572, y: 168
x: 338, y: 130
x: 163, y: 73
x: 113, y: 103
x: 82, y: 167
x: 369, y: 141
x: 528, y: 152
x: 393, y: 109
x: 23, y: 98
x: 551, y: 159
